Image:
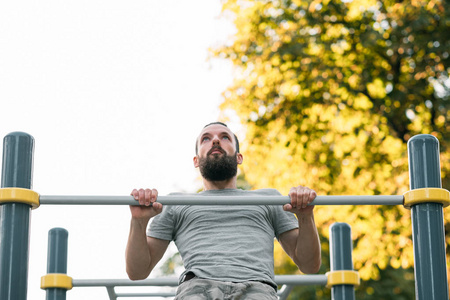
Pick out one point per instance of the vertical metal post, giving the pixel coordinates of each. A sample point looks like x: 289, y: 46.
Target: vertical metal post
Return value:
x: 427, y: 220
x: 57, y: 260
x: 15, y: 217
x: 341, y: 249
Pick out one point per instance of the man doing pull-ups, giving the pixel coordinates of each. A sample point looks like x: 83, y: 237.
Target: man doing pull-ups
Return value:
x: 227, y: 251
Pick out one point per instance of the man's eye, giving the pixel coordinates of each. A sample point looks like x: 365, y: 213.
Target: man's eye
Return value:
x: 225, y: 137
x: 205, y: 139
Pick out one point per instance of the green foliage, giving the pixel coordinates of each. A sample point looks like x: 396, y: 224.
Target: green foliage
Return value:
x: 395, y: 285
x: 171, y: 264
x: 329, y: 92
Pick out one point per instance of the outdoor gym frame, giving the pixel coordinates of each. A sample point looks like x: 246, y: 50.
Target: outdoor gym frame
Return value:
x: 342, y: 279
x: 426, y: 200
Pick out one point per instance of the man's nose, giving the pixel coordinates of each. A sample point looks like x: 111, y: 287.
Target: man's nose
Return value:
x: 216, y: 141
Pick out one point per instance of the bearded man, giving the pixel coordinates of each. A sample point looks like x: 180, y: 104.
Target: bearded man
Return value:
x: 227, y: 251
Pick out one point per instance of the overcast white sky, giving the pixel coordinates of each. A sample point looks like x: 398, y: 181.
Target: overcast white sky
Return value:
x: 114, y: 93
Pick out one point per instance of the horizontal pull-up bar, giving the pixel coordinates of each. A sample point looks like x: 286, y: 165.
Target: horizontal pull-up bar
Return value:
x: 171, y: 281
x: 220, y: 200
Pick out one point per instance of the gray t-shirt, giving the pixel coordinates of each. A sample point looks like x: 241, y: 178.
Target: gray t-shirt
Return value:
x: 226, y: 243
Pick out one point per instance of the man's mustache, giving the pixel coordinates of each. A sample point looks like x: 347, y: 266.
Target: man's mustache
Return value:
x: 214, y: 148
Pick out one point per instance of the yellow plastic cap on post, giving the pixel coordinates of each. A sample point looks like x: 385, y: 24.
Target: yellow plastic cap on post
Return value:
x: 426, y: 195
x: 342, y: 277
x: 19, y: 195
x: 56, y: 280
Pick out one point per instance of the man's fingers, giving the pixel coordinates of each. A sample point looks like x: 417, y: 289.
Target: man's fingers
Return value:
x: 156, y: 205
x: 312, y: 196
x: 293, y: 196
x: 145, y: 197
x: 305, y: 197
x: 141, y: 196
x: 148, y: 197
x: 154, y: 195
x: 301, y: 196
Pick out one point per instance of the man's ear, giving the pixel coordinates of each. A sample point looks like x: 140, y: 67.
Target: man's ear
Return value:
x: 239, y: 158
x: 196, y: 161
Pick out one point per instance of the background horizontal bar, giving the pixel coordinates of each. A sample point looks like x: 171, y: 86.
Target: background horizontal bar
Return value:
x: 220, y: 200
x: 172, y: 281
x: 168, y: 281
x: 142, y: 295
x: 301, y: 279
x: 164, y: 295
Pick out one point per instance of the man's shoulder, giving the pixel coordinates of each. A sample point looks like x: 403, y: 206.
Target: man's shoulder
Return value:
x: 265, y: 192
x: 241, y: 192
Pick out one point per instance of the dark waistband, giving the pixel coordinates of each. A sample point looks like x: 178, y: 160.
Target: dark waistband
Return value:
x: 188, y: 276
x: 269, y: 284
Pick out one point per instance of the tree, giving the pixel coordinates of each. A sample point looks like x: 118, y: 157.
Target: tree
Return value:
x: 329, y: 92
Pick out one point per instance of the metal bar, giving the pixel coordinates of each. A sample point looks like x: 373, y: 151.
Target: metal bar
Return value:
x: 111, y: 293
x: 15, y: 217
x: 284, y: 292
x: 220, y: 200
x: 142, y: 295
x: 57, y: 260
x: 341, y: 259
x: 427, y: 220
x: 301, y: 279
x: 172, y: 281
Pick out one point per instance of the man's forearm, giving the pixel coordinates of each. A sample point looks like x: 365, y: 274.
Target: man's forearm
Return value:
x: 138, y: 259
x: 308, y: 250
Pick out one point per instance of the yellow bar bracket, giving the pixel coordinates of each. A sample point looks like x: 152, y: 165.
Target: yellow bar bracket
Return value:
x: 56, y: 280
x: 342, y: 277
x: 19, y: 195
x: 426, y: 195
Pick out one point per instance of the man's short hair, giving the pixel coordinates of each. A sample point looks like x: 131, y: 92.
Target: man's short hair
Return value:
x: 223, y: 124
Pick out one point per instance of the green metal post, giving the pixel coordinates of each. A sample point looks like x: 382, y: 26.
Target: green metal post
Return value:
x: 15, y: 217
x: 57, y: 260
x: 427, y: 220
x: 341, y: 249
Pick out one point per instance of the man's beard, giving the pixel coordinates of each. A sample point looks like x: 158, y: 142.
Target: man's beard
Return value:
x: 218, y: 167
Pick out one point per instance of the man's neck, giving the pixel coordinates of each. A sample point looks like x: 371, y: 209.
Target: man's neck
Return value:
x: 219, y: 185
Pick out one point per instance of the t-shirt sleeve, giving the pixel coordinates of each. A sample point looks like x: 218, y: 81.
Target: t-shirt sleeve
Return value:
x: 283, y: 221
x: 162, y: 226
